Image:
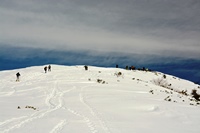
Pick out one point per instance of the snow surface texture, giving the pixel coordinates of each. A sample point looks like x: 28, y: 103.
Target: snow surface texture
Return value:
x: 70, y: 99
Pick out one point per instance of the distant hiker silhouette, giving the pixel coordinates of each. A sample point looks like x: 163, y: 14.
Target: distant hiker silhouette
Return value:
x: 86, y: 68
x: 18, y: 74
x: 49, y: 68
x: 132, y: 68
x: 45, y: 69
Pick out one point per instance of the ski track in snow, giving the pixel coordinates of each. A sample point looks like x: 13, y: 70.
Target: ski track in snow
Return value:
x: 88, y: 122
x: 8, y: 87
x: 91, y: 118
x: 59, y: 126
x: 53, y: 100
x: 92, y: 111
x: 3, y: 94
x: 12, y: 120
x: 92, y: 115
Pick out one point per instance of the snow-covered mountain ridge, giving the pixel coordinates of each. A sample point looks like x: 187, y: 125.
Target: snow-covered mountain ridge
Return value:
x: 99, y: 100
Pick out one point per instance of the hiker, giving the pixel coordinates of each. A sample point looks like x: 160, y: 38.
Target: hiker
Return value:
x: 143, y: 69
x: 127, y: 68
x: 86, y: 68
x: 45, y: 69
x: 18, y: 74
x: 132, y: 68
x: 49, y: 68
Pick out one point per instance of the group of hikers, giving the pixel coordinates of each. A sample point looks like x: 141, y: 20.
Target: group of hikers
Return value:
x: 134, y: 68
x: 49, y: 68
x: 45, y: 70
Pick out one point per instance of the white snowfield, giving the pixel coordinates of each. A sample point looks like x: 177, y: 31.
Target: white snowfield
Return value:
x: 70, y: 99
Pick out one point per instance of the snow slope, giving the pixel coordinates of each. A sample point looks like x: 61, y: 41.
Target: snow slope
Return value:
x: 71, y: 100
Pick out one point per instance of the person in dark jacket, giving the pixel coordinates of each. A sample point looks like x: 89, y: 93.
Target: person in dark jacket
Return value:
x: 49, y: 68
x: 18, y: 74
x: 45, y: 69
x: 86, y: 67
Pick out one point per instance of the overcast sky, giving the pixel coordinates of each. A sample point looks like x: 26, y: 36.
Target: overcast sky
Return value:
x: 163, y: 27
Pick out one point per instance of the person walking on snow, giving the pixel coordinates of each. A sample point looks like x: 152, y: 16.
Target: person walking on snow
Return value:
x: 18, y: 74
x: 49, y: 68
x: 45, y: 69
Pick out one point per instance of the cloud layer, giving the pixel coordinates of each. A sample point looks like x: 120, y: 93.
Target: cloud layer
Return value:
x: 128, y: 26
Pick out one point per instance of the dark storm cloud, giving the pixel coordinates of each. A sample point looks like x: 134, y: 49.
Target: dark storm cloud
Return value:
x: 159, y: 27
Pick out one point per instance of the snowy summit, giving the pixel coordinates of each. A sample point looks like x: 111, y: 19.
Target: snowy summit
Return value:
x: 71, y: 99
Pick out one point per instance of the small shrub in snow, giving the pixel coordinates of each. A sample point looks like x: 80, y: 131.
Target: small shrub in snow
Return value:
x: 139, y: 80
x: 183, y: 92
x: 195, y: 95
x: 161, y: 82
x: 167, y: 98
x: 31, y: 107
x: 118, y: 74
x: 164, y: 76
x: 101, y: 81
x: 167, y: 92
x: 151, y: 91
